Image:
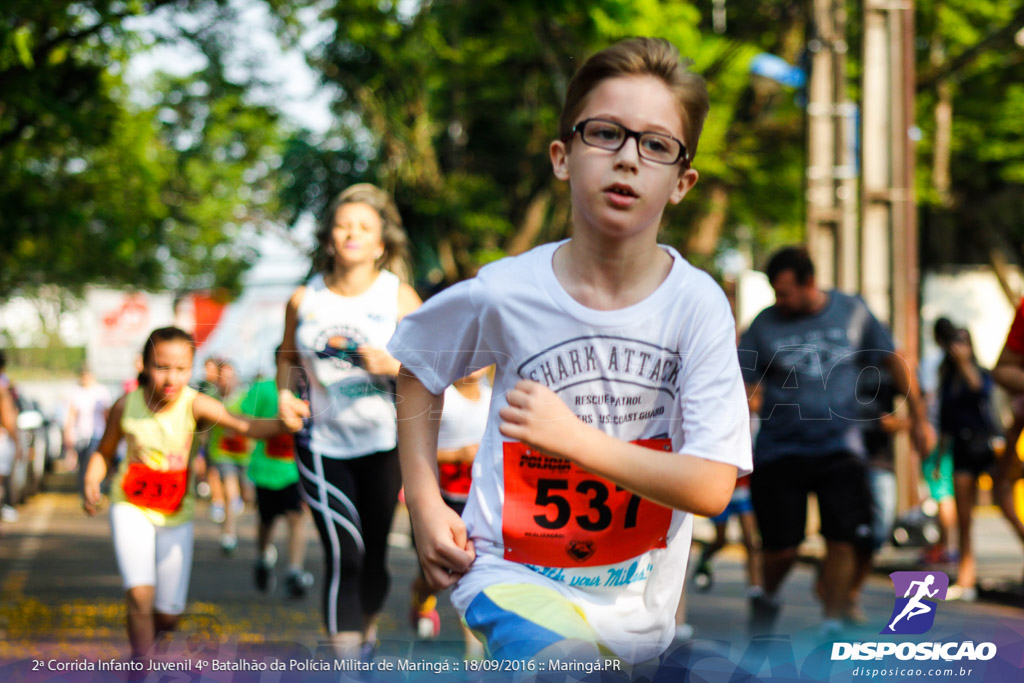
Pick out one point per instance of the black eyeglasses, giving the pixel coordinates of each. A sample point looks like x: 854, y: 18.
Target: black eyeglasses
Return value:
x: 609, y: 135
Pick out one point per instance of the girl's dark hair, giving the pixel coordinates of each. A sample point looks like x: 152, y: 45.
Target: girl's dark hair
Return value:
x: 162, y: 334
x: 396, y: 243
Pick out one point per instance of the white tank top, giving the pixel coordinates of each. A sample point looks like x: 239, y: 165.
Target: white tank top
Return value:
x: 463, y: 421
x: 353, y: 412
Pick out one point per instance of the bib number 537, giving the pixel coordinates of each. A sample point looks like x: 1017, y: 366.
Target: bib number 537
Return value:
x: 559, y: 515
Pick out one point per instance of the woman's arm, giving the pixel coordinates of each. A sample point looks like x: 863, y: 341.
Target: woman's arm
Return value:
x: 288, y: 404
x: 100, y: 461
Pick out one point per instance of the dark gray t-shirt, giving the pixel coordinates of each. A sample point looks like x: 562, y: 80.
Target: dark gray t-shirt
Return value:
x: 808, y: 368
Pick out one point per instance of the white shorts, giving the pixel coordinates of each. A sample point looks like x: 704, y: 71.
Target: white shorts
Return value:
x: 6, y: 454
x: 150, y: 555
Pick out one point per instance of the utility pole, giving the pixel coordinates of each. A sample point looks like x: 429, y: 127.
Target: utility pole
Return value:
x: 889, y: 253
x: 832, y: 230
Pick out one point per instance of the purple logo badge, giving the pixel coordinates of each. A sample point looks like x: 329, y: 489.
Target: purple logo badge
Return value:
x: 914, y: 611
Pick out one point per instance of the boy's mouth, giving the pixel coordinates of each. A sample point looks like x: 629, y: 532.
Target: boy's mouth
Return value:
x: 622, y: 189
x: 620, y: 195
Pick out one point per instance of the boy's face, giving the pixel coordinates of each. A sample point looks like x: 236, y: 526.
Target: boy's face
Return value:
x: 617, y: 193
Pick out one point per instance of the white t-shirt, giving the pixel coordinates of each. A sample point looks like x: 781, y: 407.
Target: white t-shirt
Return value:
x: 463, y: 421
x: 353, y: 412
x: 91, y: 404
x: 665, y: 368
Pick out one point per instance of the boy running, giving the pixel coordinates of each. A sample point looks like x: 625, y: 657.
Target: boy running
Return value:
x: 619, y: 408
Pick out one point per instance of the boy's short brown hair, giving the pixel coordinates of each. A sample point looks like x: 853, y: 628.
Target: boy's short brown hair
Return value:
x: 641, y: 57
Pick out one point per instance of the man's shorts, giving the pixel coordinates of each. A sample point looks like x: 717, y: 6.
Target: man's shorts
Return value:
x: 272, y: 503
x: 519, y: 620
x: 779, y: 492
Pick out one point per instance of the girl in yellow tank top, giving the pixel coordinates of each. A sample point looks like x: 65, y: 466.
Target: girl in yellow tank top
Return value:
x: 152, y: 501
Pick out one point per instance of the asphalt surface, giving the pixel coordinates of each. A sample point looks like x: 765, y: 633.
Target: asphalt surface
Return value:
x: 60, y: 594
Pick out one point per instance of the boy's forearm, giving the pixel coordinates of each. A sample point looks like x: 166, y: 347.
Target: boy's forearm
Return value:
x: 417, y: 438
x: 676, y: 480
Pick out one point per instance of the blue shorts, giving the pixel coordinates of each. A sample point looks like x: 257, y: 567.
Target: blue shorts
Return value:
x: 519, y: 620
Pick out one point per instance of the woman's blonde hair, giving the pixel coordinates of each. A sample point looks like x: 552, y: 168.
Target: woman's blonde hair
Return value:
x: 641, y: 57
x: 396, y: 243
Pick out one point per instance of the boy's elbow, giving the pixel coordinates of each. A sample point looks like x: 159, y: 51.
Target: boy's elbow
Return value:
x: 713, y: 504
x: 715, y: 496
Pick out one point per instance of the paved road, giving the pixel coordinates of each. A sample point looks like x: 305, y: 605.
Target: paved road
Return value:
x: 60, y: 595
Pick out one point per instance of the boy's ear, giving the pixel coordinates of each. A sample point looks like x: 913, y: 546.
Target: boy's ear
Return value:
x: 559, y: 159
x: 687, y: 179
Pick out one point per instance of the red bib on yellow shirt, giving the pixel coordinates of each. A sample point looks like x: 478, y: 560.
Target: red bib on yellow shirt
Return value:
x: 153, y: 489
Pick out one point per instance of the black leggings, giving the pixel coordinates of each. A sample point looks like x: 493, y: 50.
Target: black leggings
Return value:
x: 353, y: 502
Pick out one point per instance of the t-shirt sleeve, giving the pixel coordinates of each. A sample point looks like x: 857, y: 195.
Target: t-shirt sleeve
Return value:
x: 876, y: 336
x: 716, y: 420
x: 1015, y: 339
x: 442, y: 340
x: 751, y: 365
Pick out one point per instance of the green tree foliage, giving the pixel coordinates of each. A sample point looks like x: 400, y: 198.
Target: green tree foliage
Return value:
x: 460, y: 100
x: 968, y: 59
x: 97, y: 189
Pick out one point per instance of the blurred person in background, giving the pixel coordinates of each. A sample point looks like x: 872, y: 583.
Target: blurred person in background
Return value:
x: 274, y: 472
x: 806, y: 354
x: 88, y: 407
x: 969, y: 429
x: 211, y: 477
x: 937, y: 468
x: 228, y: 454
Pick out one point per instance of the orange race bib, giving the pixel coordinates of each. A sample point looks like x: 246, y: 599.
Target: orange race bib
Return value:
x: 153, y: 489
x: 557, y: 514
x: 280, y: 447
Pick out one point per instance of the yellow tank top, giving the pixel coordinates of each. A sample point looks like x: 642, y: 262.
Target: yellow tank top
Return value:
x: 154, y: 475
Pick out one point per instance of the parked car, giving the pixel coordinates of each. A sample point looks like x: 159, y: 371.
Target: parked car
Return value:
x: 39, y: 448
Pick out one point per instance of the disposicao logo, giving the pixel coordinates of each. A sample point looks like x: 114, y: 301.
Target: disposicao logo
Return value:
x: 912, y: 614
x: 914, y: 610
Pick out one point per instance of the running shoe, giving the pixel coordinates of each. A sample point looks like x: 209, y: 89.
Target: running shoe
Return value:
x: 703, y: 578
x: 8, y: 514
x: 298, y: 583
x: 217, y: 513
x: 228, y: 543
x: 764, y: 611
x: 423, y: 617
x: 238, y: 506
x: 264, y: 573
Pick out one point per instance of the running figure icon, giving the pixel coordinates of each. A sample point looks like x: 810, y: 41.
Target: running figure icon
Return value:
x: 915, y: 606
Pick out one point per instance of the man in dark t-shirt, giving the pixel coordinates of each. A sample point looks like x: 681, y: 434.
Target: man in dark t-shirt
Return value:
x: 805, y: 356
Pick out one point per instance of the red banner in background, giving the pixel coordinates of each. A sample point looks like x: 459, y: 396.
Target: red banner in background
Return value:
x: 207, y: 310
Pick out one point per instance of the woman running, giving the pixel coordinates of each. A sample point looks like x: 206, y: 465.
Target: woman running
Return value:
x: 337, y: 326
x: 152, y: 495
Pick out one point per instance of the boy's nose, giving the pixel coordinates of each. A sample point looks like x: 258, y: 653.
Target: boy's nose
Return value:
x: 629, y: 154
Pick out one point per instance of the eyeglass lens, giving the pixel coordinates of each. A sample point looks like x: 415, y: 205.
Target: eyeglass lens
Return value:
x: 611, y: 136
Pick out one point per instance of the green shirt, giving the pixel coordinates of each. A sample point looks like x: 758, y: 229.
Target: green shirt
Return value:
x: 269, y: 471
